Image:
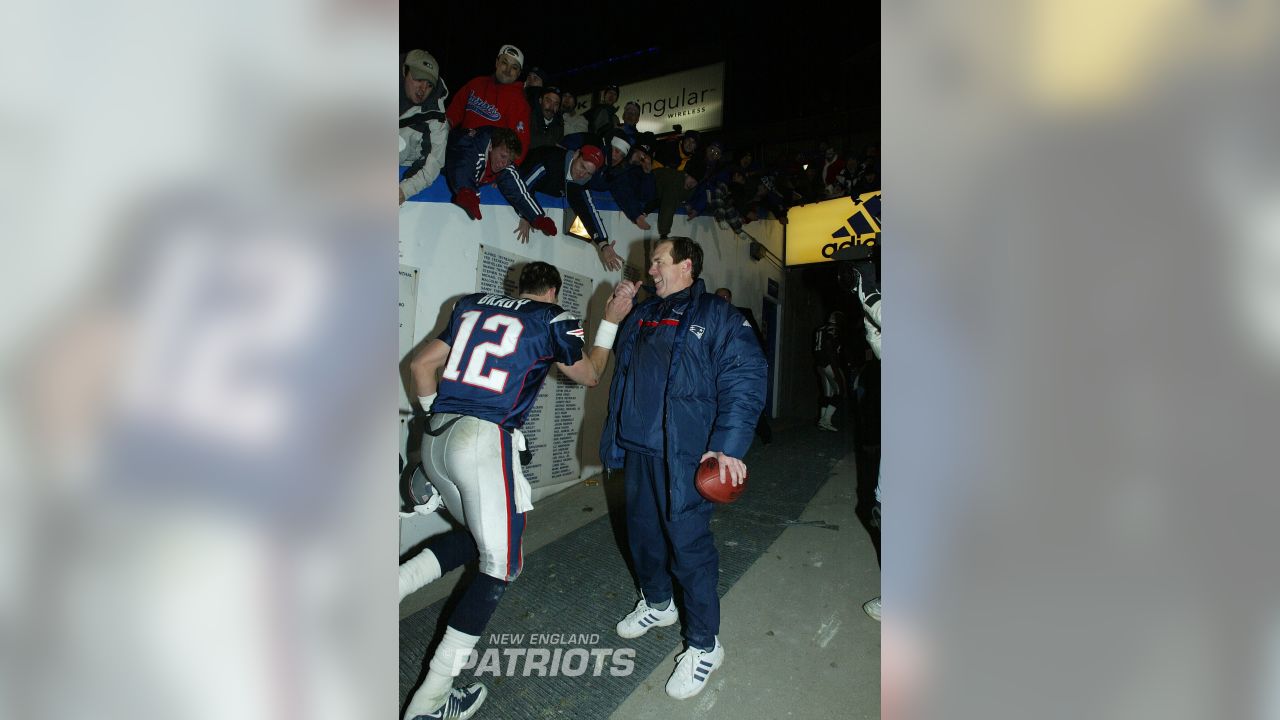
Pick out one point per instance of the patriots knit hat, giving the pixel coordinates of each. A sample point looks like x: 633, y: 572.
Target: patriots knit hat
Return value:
x: 422, y: 66
x: 514, y: 52
x: 593, y: 155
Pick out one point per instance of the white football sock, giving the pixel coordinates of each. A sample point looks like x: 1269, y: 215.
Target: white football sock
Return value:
x: 445, y: 665
x: 418, y: 572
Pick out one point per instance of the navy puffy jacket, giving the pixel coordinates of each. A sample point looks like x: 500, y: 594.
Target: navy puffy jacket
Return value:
x: 715, y: 391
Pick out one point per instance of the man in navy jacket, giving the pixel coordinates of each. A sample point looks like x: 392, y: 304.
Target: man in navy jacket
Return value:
x: 689, y: 384
x: 559, y: 172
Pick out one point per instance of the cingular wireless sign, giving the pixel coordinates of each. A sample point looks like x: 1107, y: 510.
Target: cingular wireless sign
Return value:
x: 693, y: 99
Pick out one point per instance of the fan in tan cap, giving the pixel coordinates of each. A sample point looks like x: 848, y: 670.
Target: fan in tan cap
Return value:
x: 424, y: 132
x: 423, y: 68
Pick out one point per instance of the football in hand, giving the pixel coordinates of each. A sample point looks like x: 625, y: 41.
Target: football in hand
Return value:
x: 710, y: 487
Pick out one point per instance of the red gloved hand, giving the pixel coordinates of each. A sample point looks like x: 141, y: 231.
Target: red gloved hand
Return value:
x: 468, y: 200
x: 545, y: 225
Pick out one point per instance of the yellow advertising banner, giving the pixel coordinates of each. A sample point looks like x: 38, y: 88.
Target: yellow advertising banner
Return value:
x: 816, y: 232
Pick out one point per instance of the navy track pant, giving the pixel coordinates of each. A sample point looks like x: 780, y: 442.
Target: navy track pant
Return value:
x: 662, y: 548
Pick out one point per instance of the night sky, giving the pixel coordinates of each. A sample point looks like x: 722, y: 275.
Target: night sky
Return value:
x: 791, y: 79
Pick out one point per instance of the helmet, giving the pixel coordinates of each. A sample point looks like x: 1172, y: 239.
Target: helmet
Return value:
x: 415, y: 488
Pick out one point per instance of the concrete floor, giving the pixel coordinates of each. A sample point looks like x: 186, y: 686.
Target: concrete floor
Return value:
x: 550, y: 519
x: 797, y: 642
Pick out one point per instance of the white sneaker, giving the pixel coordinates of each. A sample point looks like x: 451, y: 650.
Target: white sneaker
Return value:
x: 693, y: 668
x: 644, y: 617
x: 828, y: 426
x: 872, y: 608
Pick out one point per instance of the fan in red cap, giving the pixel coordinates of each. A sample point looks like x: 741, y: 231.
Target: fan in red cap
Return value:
x: 593, y: 155
x: 559, y: 172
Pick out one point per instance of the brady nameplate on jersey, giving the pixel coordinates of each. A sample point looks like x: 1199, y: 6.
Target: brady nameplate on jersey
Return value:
x: 502, y: 301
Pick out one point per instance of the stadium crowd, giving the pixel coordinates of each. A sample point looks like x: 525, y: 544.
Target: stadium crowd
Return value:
x: 533, y: 136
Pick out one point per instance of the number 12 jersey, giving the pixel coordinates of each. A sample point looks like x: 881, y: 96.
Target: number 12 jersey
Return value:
x: 501, y: 349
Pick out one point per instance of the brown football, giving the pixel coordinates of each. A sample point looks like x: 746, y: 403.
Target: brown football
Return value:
x: 710, y: 487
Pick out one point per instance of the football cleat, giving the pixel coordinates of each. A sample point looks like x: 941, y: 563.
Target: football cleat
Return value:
x: 460, y: 704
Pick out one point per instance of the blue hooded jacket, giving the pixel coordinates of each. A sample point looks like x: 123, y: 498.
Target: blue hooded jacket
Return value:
x: 466, y: 161
x: 715, y: 391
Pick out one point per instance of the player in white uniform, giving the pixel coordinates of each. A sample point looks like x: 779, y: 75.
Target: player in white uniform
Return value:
x: 495, y: 355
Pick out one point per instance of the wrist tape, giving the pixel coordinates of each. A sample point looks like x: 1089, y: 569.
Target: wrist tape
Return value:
x: 605, y: 333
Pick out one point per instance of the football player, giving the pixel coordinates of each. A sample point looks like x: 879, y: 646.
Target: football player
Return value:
x: 494, y: 354
x: 826, y: 354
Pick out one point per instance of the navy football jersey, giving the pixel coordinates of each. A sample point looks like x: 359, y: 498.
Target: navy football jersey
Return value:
x: 501, y: 349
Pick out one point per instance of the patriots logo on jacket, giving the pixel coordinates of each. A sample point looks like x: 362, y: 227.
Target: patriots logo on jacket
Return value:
x: 577, y: 332
x: 477, y: 105
x: 697, y: 330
